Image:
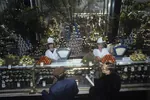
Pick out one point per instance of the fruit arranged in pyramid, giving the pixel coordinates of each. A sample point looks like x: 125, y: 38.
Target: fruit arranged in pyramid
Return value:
x: 45, y: 60
x: 138, y: 56
x: 108, y: 58
x: 26, y: 60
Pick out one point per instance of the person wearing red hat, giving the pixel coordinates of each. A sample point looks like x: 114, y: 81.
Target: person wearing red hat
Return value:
x: 108, y: 86
x: 62, y: 89
x: 51, y: 51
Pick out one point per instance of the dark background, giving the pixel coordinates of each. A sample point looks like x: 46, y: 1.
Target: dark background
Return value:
x: 132, y: 95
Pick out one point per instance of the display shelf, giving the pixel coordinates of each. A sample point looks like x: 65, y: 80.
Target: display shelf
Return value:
x: 66, y: 63
x: 16, y: 67
x: 121, y: 62
x: 135, y: 77
x: 77, y: 63
x: 15, y: 78
x: 44, y: 75
x: 27, y: 90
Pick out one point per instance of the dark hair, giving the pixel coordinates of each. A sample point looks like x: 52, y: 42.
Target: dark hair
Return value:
x: 104, y: 45
x: 49, y: 44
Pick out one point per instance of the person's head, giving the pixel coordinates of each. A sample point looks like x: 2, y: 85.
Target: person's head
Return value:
x: 100, y: 43
x: 50, y: 43
x: 108, y: 68
x: 59, y: 73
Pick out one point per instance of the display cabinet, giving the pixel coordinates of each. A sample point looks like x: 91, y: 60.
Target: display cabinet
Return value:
x: 44, y: 77
x: 134, y: 73
x: 34, y: 79
x: 15, y: 78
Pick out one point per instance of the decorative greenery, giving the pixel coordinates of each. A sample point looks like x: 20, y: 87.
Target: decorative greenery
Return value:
x: 63, y: 8
x: 52, y: 30
x: 97, y: 30
x: 131, y: 16
x: 134, y: 18
x: 8, y: 42
x: 23, y: 20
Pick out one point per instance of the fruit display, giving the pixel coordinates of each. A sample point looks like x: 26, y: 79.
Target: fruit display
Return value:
x: 12, y: 59
x: 2, y: 62
x: 138, y: 56
x: 27, y: 60
x: 108, y: 58
x: 45, y: 60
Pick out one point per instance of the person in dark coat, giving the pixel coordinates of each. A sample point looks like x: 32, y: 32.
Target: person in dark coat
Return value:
x: 62, y: 89
x: 108, y: 86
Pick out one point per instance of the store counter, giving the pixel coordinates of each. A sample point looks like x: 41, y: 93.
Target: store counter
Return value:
x: 19, y: 80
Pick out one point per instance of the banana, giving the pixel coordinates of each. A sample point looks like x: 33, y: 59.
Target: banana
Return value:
x: 138, y: 56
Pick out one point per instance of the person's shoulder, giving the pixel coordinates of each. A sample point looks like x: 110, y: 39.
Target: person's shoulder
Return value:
x: 105, y: 49
x: 95, y: 50
x: 47, y: 50
x: 70, y: 80
x: 55, y: 49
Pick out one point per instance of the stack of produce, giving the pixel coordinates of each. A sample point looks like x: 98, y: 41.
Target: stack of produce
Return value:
x: 2, y: 62
x: 138, y: 56
x: 88, y: 58
x: 12, y: 59
x: 44, y: 60
x: 108, y: 58
x: 27, y: 60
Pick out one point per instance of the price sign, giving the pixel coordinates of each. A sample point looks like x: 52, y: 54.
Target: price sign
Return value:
x: 24, y: 65
x: 145, y: 68
x: 43, y: 83
x: 3, y: 85
x: 132, y: 69
x: 31, y: 84
x: 90, y: 63
x: 125, y: 69
x: 139, y: 68
x: 41, y: 64
x: 9, y: 66
x: 18, y: 84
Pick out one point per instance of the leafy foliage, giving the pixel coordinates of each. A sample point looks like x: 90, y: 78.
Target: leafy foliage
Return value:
x: 23, y: 20
x: 131, y: 17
